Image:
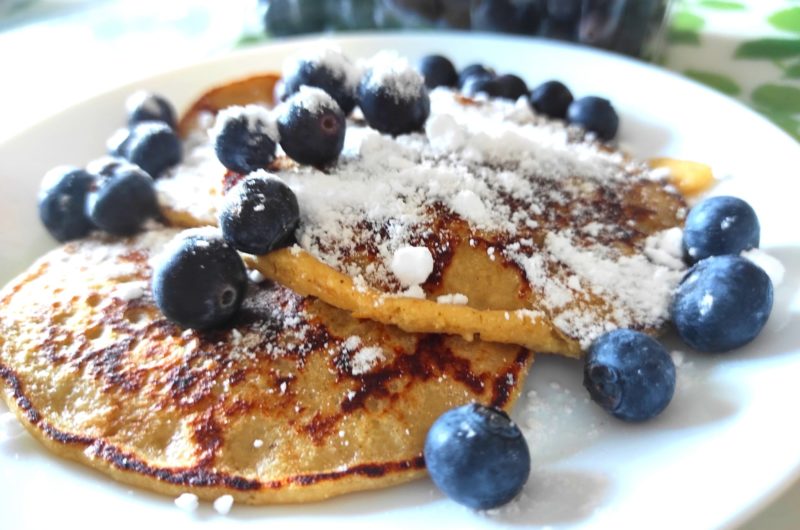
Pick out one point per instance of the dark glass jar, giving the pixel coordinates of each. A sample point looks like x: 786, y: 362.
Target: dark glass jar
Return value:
x: 632, y: 27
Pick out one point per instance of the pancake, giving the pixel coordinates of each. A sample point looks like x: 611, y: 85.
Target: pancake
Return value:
x: 538, y: 234
x: 293, y: 401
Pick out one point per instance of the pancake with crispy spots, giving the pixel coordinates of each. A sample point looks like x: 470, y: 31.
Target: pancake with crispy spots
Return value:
x: 293, y: 401
x: 542, y: 236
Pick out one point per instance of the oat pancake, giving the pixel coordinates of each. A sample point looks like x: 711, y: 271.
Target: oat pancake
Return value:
x: 294, y: 401
x: 537, y: 234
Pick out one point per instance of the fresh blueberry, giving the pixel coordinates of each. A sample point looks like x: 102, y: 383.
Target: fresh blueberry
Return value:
x: 551, y: 98
x: 259, y: 215
x: 718, y: 226
x: 629, y: 374
x: 595, y: 115
x: 473, y: 70
x: 290, y: 17
x: 329, y: 70
x: 477, y: 456
x: 722, y: 303
x: 122, y: 200
x: 510, y: 86
x: 146, y: 106
x: 154, y: 147
x: 245, y: 138
x: 438, y: 71
x: 563, y: 10
x: 61, y: 202
x: 199, y: 280
x: 393, y: 98
x: 481, y: 85
x: 311, y: 127
x: 506, y: 16
x: 106, y: 166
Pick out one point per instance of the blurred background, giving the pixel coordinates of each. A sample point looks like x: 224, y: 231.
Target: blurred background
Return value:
x: 748, y: 49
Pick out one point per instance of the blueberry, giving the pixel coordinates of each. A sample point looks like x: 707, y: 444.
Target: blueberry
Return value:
x: 117, y: 143
x: 564, y: 10
x: 473, y: 70
x: 718, y: 226
x: 154, y: 147
x: 438, y: 71
x: 722, y: 303
x: 61, y: 202
x: 393, y: 98
x: 122, y: 200
x: 106, y: 166
x: 477, y: 456
x: 259, y: 215
x: 311, y: 127
x: 481, y: 85
x: 595, y: 115
x: 629, y: 374
x: 146, y: 106
x: 551, y: 98
x: 199, y: 280
x: 506, y: 16
x: 510, y: 86
x: 245, y: 138
x: 290, y: 17
x: 329, y: 70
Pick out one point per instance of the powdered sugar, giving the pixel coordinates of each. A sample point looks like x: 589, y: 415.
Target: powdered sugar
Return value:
x: 389, y: 72
x: 513, y: 176
x: 144, y: 100
x: 333, y: 60
x: 258, y: 118
x: 312, y: 99
x: 412, y: 265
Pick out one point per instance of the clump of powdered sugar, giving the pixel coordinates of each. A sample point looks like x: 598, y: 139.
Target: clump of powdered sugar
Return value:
x: 312, y: 99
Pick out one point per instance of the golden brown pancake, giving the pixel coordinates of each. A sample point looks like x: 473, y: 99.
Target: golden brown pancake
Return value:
x: 293, y: 401
x: 545, y: 237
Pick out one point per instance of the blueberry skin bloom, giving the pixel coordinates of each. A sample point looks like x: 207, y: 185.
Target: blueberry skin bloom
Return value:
x: 393, y: 98
x: 259, y: 214
x: 311, y: 127
x: 438, y: 71
x: 122, y: 201
x: 477, y: 456
x: 61, y: 202
x: 153, y: 146
x: 722, y: 303
x: 551, y: 98
x: 595, y: 115
x: 329, y: 70
x: 245, y: 138
x: 146, y: 106
x: 199, y: 281
x: 629, y: 374
x: 718, y: 226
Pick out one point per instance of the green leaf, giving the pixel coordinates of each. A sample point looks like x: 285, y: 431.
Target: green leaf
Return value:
x: 249, y: 40
x: 787, y: 123
x: 685, y: 21
x: 724, y: 84
x: 768, y: 49
x: 720, y: 4
x: 792, y: 71
x: 684, y: 37
x: 787, y: 20
x: 777, y: 98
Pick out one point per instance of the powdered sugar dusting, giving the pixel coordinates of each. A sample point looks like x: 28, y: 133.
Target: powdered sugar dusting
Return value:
x: 312, y: 99
x: 392, y: 73
x: 333, y: 60
x: 364, y: 359
x: 526, y: 183
x: 258, y: 118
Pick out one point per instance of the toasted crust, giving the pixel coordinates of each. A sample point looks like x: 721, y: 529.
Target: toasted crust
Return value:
x: 274, y: 408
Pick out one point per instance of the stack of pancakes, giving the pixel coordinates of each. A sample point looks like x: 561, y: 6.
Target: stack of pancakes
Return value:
x: 329, y: 378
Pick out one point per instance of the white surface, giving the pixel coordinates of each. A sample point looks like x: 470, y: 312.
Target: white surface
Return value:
x: 726, y: 445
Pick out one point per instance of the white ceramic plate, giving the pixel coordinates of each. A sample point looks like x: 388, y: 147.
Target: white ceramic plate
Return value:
x: 728, y: 443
